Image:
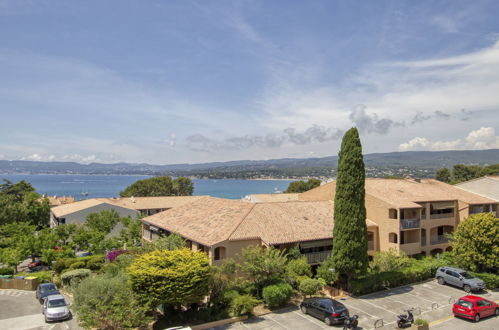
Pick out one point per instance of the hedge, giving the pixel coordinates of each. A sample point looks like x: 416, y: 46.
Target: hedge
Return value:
x: 243, y: 305
x: 74, y: 275
x: 43, y: 276
x: 94, y: 262
x: 419, y: 270
x: 491, y: 280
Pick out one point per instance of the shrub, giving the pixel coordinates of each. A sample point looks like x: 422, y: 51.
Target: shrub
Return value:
x: 112, y: 255
x: 74, y: 276
x: 491, y: 280
x: 77, y: 265
x: 297, y: 269
x: 391, y: 260
x: 6, y: 271
x: 419, y: 321
x: 95, y: 262
x: 311, y: 286
x: 324, y: 272
x: 277, y: 295
x: 243, y: 305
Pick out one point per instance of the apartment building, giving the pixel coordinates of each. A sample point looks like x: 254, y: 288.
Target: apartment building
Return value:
x: 487, y: 186
x: 413, y: 216
x: 222, y: 228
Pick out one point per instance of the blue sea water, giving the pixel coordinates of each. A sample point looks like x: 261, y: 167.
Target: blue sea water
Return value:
x: 111, y: 185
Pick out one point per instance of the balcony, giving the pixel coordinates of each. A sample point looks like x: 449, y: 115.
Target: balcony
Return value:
x: 409, y: 223
x: 317, y: 257
x: 370, y: 245
x: 423, y: 241
x: 439, y: 239
x: 441, y: 215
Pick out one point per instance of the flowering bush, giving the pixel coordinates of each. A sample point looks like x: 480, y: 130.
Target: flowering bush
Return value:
x: 112, y: 255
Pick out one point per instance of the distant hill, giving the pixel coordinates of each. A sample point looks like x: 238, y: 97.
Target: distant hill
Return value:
x: 427, y: 160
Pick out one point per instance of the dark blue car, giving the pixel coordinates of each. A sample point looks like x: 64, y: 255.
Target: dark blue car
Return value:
x: 45, y: 290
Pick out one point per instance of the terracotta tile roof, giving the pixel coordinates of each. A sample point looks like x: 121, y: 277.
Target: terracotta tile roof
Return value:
x: 212, y: 220
x: 60, y: 211
x: 60, y: 200
x: 403, y: 192
x: 208, y: 220
x: 144, y: 203
x: 267, y: 198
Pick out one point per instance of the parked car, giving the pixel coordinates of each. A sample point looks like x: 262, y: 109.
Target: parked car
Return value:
x: 460, y: 278
x: 475, y: 308
x: 44, y: 290
x: 82, y: 254
x: 36, y: 264
x: 328, y: 310
x: 55, y: 308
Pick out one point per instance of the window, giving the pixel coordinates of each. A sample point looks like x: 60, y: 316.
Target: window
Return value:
x: 483, y: 303
x: 219, y: 253
x: 392, y: 238
x: 453, y: 274
x: 392, y: 213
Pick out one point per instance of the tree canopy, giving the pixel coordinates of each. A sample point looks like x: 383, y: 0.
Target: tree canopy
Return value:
x: 159, y: 186
x: 475, y: 242
x: 20, y: 203
x: 461, y: 173
x: 349, y: 256
x: 302, y: 186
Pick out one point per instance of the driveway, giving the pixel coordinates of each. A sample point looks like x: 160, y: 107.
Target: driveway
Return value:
x: 19, y: 309
x: 431, y: 301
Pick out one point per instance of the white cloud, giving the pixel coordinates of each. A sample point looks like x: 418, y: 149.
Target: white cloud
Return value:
x: 482, y: 138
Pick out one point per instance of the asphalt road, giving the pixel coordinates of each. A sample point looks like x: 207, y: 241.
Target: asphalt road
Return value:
x: 432, y: 302
x: 20, y: 310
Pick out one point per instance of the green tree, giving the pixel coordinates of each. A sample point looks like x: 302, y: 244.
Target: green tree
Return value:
x: 475, y: 242
x: 311, y: 286
x: 159, y: 186
x: 107, y: 302
x: 178, y: 277
x: 302, y: 186
x: 170, y: 242
x: 263, y: 266
x: 461, y: 173
x: 297, y: 270
x: 443, y: 175
x: 390, y: 260
x: 350, y: 231
x: 20, y: 203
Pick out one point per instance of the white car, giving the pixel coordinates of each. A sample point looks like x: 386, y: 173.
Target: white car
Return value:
x: 55, y: 308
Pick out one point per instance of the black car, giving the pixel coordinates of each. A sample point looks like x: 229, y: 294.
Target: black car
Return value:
x: 328, y: 310
x: 45, y: 290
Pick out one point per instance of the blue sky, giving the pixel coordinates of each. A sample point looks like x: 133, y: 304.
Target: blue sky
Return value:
x: 196, y: 81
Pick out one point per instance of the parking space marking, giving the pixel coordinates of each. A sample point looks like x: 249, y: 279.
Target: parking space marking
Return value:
x: 273, y: 320
x: 445, y: 319
x: 370, y: 303
x: 311, y: 320
x: 12, y: 293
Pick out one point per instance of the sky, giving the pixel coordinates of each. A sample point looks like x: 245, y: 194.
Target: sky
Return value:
x: 167, y: 82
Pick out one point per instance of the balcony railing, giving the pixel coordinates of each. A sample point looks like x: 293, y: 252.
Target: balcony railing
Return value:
x: 439, y: 239
x: 409, y: 223
x: 317, y: 257
x: 370, y: 245
x: 441, y: 215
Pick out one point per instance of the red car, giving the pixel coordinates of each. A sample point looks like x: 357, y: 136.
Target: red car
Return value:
x: 475, y: 308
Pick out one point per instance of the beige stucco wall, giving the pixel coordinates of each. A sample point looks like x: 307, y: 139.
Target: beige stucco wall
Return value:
x: 233, y: 249
x: 377, y: 211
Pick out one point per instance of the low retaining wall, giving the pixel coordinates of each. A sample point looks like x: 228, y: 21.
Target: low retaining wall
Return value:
x: 19, y: 284
x: 218, y: 323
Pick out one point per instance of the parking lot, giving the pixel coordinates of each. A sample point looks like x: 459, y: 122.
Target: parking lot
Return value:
x: 19, y: 309
x: 430, y: 300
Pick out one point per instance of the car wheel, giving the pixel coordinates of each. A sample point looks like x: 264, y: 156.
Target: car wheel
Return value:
x: 477, y: 317
x: 441, y: 280
x: 304, y: 309
x: 497, y: 311
x: 467, y: 288
x: 327, y: 320
x: 400, y: 324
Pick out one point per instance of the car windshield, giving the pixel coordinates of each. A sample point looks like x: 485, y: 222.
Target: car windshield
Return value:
x: 47, y: 288
x: 465, y: 303
x: 466, y: 275
x: 57, y: 303
x: 338, y: 307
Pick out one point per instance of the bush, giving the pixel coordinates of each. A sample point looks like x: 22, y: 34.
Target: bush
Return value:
x: 74, y: 276
x: 391, y: 260
x: 311, y: 286
x: 297, y: 269
x: 491, y: 280
x: 243, y: 305
x: 95, y: 262
x: 6, y: 271
x: 419, y: 321
x: 112, y: 255
x: 77, y: 265
x: 277, y: 295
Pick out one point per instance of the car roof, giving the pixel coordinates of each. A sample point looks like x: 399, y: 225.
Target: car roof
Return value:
x: 472, y: 298
x: 47, y: 284
x: 453, y: 268
x: 55, y: 297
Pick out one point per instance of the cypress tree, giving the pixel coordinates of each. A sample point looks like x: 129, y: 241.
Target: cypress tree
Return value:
x: 350, y: 230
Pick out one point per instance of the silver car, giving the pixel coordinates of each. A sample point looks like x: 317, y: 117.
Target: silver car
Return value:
x: 460, y: 278
x: 55, y: 308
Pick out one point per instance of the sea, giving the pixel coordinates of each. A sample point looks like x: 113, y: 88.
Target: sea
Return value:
x: 93, y: 186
